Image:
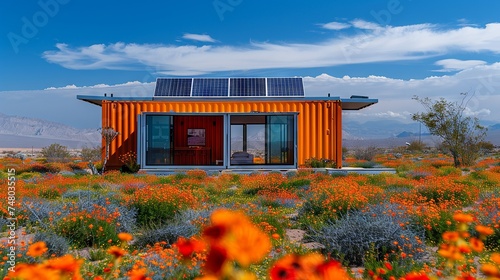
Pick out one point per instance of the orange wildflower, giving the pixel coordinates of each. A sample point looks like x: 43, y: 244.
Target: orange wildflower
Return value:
x: 450, y: 236
x: 187, y: 247
x: 243, y: 241
x: 117, y: 252
x: 495, y: 257
x: 123, y: 236
x: 33, y: 272
x: 37, y: 249
x: 416, y: 276
x: 490, y: 270
x: 66, y: 263
x: 463, y: 218
x: 476, y: 244
x: 388, y: 266
x: 138, y: 274
x: 484, y: 230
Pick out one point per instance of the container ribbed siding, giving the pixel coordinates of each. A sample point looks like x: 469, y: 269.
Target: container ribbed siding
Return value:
x: 319, y: 122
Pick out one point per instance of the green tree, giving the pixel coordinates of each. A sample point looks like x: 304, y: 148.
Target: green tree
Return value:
x: 461, y: 134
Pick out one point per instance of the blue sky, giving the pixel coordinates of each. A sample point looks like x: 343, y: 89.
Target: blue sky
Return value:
x: 52, y: 50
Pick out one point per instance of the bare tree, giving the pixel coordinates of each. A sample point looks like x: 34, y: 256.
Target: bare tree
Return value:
x: 108, y: 134
x: 461, y: 134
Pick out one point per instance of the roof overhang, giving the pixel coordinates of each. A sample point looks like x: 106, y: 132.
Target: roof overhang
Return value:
x: 356, y: 103
x: 353, y: 103
x: 97, y: 100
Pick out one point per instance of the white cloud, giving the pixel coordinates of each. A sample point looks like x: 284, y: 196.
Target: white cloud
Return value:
x: 394, y: 96
x: 362, y: 24
x: 134, y: 83
x: 199, y: 37
x: 450, y: 65
x: 374, y: 44
x: 335, y: 25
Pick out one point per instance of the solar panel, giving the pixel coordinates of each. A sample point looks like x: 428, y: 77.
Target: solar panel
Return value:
x: 173, y: 87
x: 248, y: 87
x: 232, y: 87
x: 285, y: 87
x: 210, y: 87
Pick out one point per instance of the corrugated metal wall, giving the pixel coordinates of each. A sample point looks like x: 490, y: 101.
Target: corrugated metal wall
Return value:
x: 319, y: 122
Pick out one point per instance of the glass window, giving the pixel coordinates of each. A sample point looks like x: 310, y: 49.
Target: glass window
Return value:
x: 261, y: 139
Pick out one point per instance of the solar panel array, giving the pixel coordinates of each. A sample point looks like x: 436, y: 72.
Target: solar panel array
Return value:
x: 229, y: 87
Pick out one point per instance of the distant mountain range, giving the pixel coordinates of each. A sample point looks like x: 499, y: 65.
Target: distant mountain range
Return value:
x: 22, y: 132
x: 390, y: 133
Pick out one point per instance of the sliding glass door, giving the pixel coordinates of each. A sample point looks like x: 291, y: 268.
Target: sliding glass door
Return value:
x: 262, y: 139
x: 159, y: 137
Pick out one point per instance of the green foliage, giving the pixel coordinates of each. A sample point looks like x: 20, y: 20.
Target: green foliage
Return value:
x: 296, y: 183
x: 434, y: 227
x: 56, y: 152
x: 399, y: 268
x: 152, y: 212
x: 461, y: 134
x: 364, y: 164
x: 87, y: 231
x: 49, y: 194
x: 320, y: 163
x: 438, y: 195
x: 97, y: 255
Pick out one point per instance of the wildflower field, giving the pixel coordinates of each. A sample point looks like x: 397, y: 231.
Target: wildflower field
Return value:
x: 430, y: 220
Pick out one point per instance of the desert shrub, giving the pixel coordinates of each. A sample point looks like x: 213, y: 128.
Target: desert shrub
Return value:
x: 435, y: 223
x: 49, y: 193
x: 159, y: 205
x: 154, y: 212
x: 449, y: 171
x: 39, y: 168
x: 91, y: 153
x: 130, y: 164
x: 168, y: 233
x: 416, y: 146
x: 445, y: 190
x: 197, y: 174
x: 367, y: 153
x: 376, y: 230
x: 488, y: 213
x: 337, y: 196
x: 364, y: 164
x: 56, y: 245
x: 320, y: 163
x: 56, y: 152
x: 270, y: 222
x: 88, y: 229
x: 3, y: 224
x: 98, y: 255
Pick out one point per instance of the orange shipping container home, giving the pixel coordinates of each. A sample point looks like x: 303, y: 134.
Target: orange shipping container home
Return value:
x: 226, y: 123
